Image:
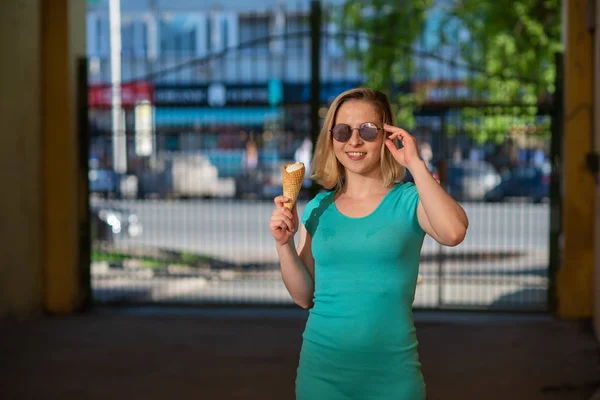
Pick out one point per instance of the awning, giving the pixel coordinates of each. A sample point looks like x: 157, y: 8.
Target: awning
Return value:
x: 180, y: 116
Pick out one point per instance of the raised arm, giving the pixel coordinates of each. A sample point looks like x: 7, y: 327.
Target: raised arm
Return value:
x: 439, y: 214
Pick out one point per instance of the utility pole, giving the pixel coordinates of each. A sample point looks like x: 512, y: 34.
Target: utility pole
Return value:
x: 315, y: 72
x: 118, y: 117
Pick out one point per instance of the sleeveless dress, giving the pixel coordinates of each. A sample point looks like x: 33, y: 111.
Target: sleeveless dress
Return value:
x: 359, y: 342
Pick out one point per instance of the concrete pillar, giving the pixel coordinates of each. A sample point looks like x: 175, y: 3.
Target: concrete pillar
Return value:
x: 597, y: 149
x: 39, y: 239
x: 63, y: 42
x: 574, y: 278
x: 21, y: 239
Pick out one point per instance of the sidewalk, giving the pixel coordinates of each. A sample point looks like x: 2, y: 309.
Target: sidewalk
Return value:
x: 208, y: 354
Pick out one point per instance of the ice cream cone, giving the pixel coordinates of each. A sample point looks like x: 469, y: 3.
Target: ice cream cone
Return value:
x: 292, y: 183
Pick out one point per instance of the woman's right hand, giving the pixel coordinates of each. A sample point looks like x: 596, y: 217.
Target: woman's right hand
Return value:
x: 284, y: 223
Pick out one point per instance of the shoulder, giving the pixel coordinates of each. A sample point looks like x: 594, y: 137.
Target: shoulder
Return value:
x: 403, y: 204
x: 406, y: 196
x: 316, y: 201
x: 402, y: 190
x: 405, y: 187
x: 314, y: 209
x: 320, y: 196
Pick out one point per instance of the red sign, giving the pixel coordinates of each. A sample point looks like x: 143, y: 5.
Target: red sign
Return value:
x: 100, y: 95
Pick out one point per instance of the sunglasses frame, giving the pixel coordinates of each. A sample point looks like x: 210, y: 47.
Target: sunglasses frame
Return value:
x: 361, y: 127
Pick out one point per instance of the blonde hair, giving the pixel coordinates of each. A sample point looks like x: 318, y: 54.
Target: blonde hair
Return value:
x: 326, y: 170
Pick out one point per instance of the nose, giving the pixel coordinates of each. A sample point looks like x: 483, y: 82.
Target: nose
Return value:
x: 355, y: 138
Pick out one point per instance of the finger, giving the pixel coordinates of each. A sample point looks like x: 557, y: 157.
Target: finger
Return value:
x: 287, y: 224
x: 391, y: 145
x: 280, y: 201
x: 284, y: 223
x: 392, y: 128
x: 283, y: 211
x: 287, y: 213
x: 278, y: 225
x: 397, y: 132
x: 396, y: 135
x: 274, y: 226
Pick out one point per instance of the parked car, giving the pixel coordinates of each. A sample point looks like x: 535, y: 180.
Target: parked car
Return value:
x: 103, y: 182
x: 263, y: 183
x: 184, y: 175
x: 471, y: 180
x: 109, y: 184
x: 527, y: 182
x: 108, y: 222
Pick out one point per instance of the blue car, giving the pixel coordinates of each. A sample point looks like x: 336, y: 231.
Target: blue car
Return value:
x: 103, y: 181
x: 525, y: 182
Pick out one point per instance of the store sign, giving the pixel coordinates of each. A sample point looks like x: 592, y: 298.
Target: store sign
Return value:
x: 100, y: 95
x: 217, y: 95
x: 300, y: 93
x: 272, y: 93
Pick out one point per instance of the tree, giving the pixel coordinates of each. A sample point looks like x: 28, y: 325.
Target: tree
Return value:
x: 384, y: 31
x: 505, y: 49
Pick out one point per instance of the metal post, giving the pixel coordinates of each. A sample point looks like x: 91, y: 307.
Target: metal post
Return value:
x: 442, y: 172
x: 315, y: 84
x: 118, y: 118
x: 83, y: 191
x: 555, y: 178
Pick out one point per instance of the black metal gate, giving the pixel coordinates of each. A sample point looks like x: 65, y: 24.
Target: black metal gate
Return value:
x: 184, y: 219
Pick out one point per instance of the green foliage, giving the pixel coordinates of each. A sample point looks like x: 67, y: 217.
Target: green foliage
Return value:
x: 384, y: 32
x: 151, y: 261
x: 506, y: 50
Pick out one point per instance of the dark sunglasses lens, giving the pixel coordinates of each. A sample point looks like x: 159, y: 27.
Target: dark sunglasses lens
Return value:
x: 368, y: 133
x: 341, y: 133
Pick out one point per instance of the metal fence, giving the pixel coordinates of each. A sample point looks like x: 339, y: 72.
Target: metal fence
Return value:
x: 183, y: 218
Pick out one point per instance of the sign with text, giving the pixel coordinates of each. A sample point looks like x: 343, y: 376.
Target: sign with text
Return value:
x: 100, y: 95
x: 218, y: 95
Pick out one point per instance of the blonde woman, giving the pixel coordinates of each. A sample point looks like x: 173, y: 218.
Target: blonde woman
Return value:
x: 357, y: 259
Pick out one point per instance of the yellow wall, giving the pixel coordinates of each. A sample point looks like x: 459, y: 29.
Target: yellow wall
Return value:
x: 574, y: 279
x: 63, y: 38
x: 39, y: 42
x: 21, y: 243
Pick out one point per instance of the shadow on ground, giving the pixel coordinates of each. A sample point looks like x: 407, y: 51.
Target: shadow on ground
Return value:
x: 220, y: 354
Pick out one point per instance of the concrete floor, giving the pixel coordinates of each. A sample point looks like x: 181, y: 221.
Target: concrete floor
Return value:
x: 158, y: 353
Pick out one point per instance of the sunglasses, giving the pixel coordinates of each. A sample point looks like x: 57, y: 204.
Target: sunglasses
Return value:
x: 367, y: 131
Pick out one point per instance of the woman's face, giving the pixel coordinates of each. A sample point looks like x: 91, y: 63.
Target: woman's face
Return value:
x: 357, y: 155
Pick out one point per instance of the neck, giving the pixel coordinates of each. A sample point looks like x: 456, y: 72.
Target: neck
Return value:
x: 361, y: 186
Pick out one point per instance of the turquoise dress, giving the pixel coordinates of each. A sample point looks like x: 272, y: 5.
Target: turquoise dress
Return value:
x: 360, y: 341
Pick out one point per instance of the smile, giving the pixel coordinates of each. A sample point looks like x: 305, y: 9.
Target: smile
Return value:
x: 356, y: 154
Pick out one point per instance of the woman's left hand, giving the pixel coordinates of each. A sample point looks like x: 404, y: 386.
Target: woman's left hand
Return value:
x: 406, y: 156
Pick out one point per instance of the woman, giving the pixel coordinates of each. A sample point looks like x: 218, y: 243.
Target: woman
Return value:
x: 357, y: 259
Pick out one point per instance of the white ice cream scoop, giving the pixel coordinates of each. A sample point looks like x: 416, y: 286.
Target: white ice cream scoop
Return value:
x: 294, y: 167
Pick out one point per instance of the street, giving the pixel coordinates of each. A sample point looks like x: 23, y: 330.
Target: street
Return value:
x: 502, y: 262
x: 237, y: 231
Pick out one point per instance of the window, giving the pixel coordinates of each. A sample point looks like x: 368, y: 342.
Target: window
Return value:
x: 178, y: 35
x: 254, y: 29
x: 297, y: 41
x: 103, y: 36
x: 224, y: 33
x: 209, y: 36
x: 127, y: 39
x: 134, y: 38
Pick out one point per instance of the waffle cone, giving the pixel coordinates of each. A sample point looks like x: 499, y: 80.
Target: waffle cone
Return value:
x: 292, y: 183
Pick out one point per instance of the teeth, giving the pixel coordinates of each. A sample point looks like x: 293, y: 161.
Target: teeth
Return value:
x: 356, y: 154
